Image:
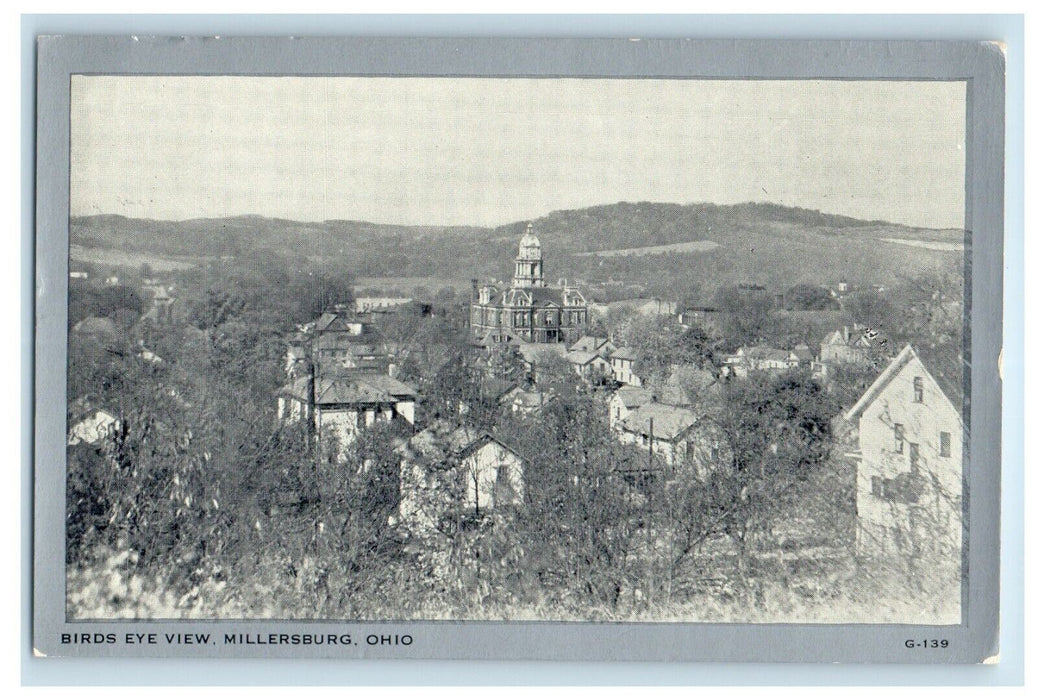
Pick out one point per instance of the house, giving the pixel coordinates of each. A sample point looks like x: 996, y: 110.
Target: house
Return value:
x: 624, y: 401
x: 708, y: 318
x: 592, y: 343
x: 528, y: 403
x: 450, y: 473
x: 363, y: 356
x: 161, y: 310
x: 92, y: 427
x: 685, y: 440
x: 341, y: 339
x: 665, y: 431
x: 111, y: 281
x: 341, y: 323
x: 622, y: 362
x: 379, y: 304
x: 592, y: 367
x: 760, y: 358
x: 852, y: 346
x: 500, y: 390
x: 345, y: 404
x: 493, y: 390
x: 908, y: 460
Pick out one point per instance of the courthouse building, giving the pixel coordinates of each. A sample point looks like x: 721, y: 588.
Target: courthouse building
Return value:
x: 529, y: 310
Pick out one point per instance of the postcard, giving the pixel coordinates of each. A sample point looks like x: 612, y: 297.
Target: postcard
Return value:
x: 537, y: 349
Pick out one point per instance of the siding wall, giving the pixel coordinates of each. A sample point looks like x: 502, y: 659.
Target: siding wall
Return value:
x: 888, y: 524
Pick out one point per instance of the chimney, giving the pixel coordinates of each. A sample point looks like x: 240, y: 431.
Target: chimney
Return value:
x: 475, y: 289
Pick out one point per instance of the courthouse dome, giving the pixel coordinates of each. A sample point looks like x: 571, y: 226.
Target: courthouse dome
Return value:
x: 529, y: 240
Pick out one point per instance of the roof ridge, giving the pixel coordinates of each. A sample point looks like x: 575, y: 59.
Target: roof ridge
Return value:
x: 884, y: 378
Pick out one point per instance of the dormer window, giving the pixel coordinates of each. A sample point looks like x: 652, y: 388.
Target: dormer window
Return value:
x: 917, y: 388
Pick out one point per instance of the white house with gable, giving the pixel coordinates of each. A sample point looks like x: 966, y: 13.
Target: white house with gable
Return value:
x: 909, y: 465
x: 344, y: 405
x: 448, y: 472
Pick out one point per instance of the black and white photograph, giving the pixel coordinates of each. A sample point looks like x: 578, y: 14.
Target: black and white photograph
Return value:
x: 517, y: 349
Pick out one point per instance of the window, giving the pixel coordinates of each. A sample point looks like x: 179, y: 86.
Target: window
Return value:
x: 899, y: 438
x: 945, y: 444
x: 690, y: 452
x: 877, y: 487
x: 917, y: 386
x: 913, y: 457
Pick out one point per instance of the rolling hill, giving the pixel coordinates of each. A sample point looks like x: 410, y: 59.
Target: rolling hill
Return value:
x: 665, y: 247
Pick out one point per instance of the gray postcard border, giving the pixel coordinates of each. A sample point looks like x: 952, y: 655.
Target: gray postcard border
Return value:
x: 981, y: 64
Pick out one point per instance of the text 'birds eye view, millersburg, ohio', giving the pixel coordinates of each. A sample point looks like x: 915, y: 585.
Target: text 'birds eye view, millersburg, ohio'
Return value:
x: 516, y: 349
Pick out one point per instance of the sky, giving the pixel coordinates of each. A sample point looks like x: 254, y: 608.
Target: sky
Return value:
x: 477, y: 151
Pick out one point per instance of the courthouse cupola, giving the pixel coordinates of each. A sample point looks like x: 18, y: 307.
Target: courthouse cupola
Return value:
x: 529, y: 267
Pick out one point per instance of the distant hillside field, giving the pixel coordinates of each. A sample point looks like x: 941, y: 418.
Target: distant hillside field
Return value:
x: 126, y: 258
x: 665, y: 247
x: 930, y: 245
x: 690, y: 247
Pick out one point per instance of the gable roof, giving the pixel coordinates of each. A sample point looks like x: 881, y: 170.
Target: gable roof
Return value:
x: 393, y: 387
x: 361, y: 389
x: 668, y: 422
x: 892, y: 370
x: 589, y: 343
x: 580, y: 358
x: 859, y: 336
x: 532, y: 399
x: 507, y: 335
x: 633, y: 396
x: 439, y: 442
x: 837, y: 337
x: 498, y: 389
x: 763, y: 352
x: 325, y: 320
x: 625, y: 352
x: 802, y: 353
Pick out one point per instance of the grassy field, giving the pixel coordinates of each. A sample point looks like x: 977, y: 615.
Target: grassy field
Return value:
x: 125, y: 258
x: 688, y: 247
x: 929, y: 245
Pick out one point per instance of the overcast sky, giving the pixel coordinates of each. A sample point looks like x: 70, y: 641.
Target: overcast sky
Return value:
x: 492, y: 151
